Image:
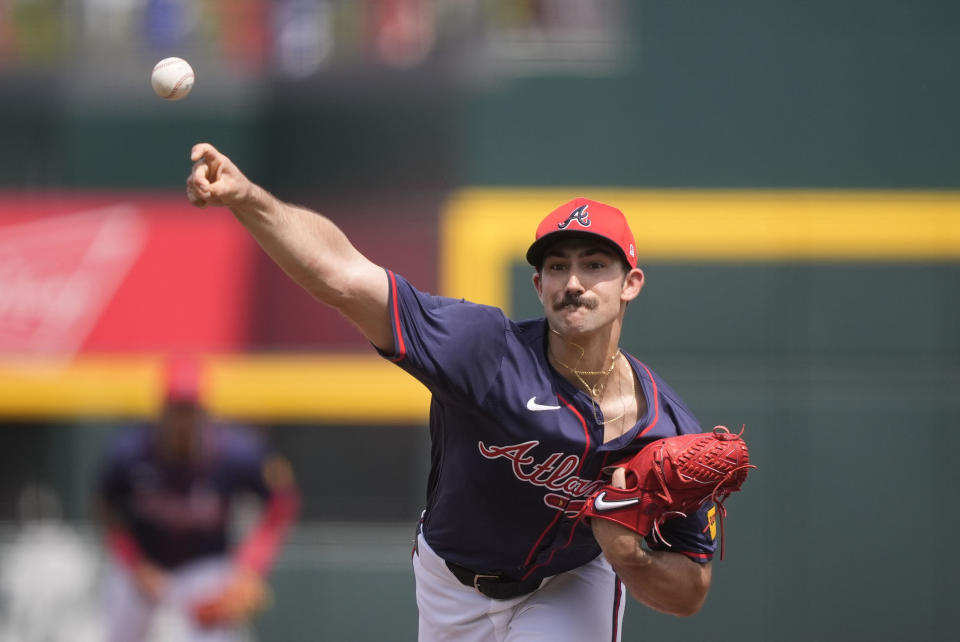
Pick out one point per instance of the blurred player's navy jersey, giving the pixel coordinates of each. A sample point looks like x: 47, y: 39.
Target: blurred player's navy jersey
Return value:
x: 179, y: 512
x: 523, y: 444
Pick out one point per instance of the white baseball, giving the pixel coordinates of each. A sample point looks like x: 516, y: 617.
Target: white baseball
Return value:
x: 172, y: 78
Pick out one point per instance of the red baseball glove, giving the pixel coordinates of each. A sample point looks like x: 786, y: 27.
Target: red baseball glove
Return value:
x: 673, y: 477
x: 245, y: 595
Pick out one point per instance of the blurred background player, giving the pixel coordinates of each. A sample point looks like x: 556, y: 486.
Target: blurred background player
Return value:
x: 167, y: 496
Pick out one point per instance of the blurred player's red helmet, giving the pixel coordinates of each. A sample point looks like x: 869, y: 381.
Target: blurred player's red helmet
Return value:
x: 183, y: 383
x: 584, y: 218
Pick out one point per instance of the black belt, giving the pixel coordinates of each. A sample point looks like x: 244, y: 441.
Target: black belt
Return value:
x: 498, y: 587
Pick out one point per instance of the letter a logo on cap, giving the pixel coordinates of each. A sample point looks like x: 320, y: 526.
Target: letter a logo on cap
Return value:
x: 581, y: 215
x: 601, y: 221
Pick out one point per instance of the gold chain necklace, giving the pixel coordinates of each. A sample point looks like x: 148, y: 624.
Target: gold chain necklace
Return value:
x: 595, y: 391
x: 623, y: 406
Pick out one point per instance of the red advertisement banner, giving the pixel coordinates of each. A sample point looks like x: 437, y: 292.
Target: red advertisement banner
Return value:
x: 120, y: 272
x: 145, y: 272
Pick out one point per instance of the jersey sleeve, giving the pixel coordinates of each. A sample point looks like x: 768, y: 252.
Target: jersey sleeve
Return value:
x: 258, y: 549
x: 113, y: 491
x: 268, y: 474
x: 693, y: 536
x: 452, y: 346
x: 245, y: 455
x: 680, y: 415
x: 111, y: 484
x: 113, y: 480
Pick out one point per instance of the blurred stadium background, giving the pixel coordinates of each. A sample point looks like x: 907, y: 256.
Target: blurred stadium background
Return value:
x: 792, y: 171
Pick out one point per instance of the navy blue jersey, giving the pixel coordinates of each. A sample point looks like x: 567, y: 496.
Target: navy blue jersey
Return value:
x: 178, y: 513
x: 515, y: 447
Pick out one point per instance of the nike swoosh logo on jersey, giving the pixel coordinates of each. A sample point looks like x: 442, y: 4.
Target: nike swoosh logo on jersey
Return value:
x: 601, y: 504
x: 536, y: 407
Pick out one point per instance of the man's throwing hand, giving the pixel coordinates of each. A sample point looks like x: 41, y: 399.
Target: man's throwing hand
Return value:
x: 214, y: 179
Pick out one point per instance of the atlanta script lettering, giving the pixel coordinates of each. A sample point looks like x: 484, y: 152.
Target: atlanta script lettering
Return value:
x: 555, y: 473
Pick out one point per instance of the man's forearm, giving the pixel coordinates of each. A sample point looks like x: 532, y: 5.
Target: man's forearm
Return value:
x: 309, y: 247
x: 667, y: 582
x: 664, y: 581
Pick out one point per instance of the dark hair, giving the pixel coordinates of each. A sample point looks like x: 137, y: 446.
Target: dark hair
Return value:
x: 613, y: 250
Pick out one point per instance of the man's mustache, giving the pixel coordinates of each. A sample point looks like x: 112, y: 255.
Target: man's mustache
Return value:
x: 574, y: 301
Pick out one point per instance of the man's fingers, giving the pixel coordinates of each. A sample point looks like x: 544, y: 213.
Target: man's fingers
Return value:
x: 195, y: 199
x: 198, y: 184
x: 200, y: 175
x: 619, y: 478
x: 201, y: 150
x: 213, y: 162
x: 196, y: 196
x: 206, y: 156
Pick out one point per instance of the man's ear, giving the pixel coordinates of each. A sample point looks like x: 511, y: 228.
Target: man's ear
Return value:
x: 632, y: 284
x: 538, y: 285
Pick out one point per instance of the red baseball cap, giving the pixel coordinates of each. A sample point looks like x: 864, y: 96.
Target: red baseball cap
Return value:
x: 183, y: 384
x: 584, y: 218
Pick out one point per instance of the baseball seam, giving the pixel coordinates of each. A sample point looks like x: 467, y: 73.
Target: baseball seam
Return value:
x: 179, y: 83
